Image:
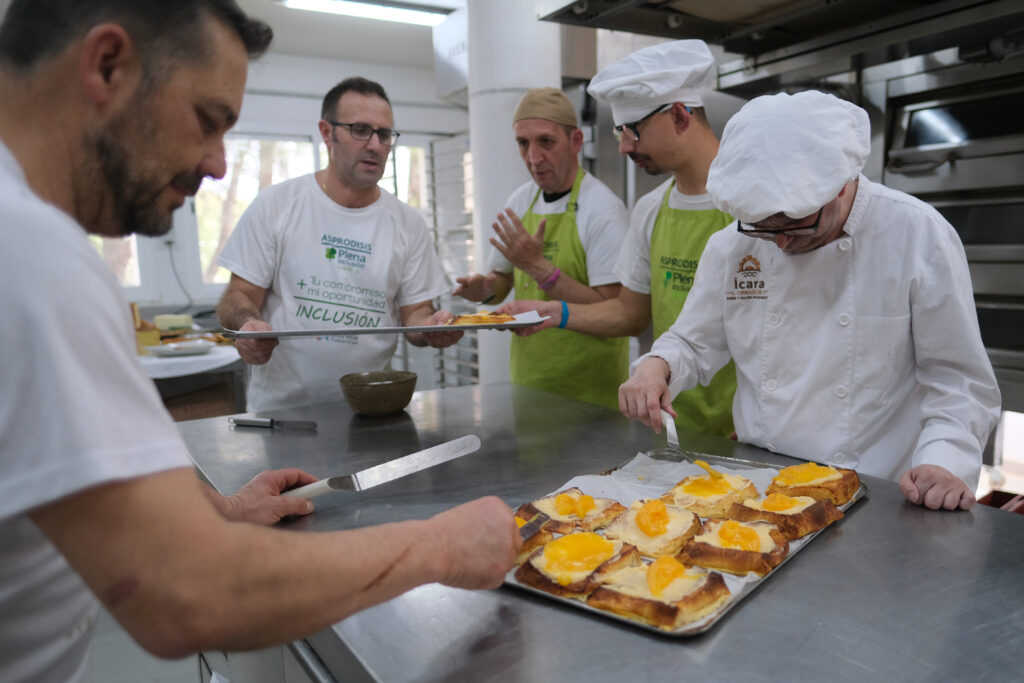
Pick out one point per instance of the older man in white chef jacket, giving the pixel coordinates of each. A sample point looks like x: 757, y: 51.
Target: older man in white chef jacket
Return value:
x: 846, y: 306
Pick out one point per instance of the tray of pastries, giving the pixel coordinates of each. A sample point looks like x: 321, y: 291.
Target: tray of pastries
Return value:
x: 671, y: 541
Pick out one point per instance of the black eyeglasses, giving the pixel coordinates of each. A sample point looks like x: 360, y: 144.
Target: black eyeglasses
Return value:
x: 364, y: 131
x: 632, y: 127
x: 769, y: 233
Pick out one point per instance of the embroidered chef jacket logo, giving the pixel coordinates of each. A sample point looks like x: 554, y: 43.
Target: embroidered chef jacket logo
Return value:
x: 679, y: 273
x: 747, y: 281
x: 347, y: 253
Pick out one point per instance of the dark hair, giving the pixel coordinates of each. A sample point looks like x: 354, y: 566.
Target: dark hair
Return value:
x: 165, y: 32
x: 356, y: 84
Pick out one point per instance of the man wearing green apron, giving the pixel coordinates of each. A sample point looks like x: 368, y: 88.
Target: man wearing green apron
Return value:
x: 563, y: 248
x: 657, y: 106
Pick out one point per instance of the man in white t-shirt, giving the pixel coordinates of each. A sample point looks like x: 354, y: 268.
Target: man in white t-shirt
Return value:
x: 563, y: 248
x: 331, y: 250
x: 105, y: 128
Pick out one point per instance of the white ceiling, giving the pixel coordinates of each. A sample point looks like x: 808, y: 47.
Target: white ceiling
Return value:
x: 331, y: 36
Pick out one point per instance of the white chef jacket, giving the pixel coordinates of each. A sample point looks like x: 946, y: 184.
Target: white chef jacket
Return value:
x: 864, y: 353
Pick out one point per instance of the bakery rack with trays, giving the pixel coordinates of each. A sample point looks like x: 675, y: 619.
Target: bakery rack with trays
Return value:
x: 641, y: 477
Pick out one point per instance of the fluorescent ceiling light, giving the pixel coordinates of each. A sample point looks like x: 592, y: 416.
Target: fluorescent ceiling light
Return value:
x: 369, y: 10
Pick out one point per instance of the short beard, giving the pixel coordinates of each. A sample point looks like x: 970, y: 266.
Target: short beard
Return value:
x: 120, y: 184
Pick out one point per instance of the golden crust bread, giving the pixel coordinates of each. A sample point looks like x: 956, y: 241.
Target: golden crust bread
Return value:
x: 707, y: 596
x: 815, y: 516
x: 482, y: 318
x: 837, y: 491
x: 710, y: 506
x: 535, y: 541
x: 702, y: 553
x: 531, y: 572
x: 604, y: 511
x: 682, y: 525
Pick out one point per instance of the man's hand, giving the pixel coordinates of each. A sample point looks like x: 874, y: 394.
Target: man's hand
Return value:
x: 255, y: 351
x: 523, y: 250
x: 476, y: 287
x: 644, y: 395
x: 478, y: 543
x: 936, y: 488
x: 441, y: 340
x: 551, y: 309
x: 260, y: 501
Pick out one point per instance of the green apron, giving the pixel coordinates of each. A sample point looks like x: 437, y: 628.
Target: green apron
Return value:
x: 677, y: 242
x: 562, y: 361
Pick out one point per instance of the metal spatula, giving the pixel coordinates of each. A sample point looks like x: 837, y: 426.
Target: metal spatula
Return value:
x: 670, y: 429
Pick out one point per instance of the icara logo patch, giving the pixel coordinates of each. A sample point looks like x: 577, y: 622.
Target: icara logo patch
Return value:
x: 747, y: 281
x: 347, y: 253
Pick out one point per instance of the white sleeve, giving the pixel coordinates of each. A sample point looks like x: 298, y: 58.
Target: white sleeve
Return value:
x: 961, y: 402
x: 695, y: 346
x: 633, y: 268
x: 422, y: 277
x: 251, y: 250
x: 602, y: 232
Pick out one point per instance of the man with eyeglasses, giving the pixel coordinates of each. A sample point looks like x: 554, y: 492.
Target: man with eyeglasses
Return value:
x: 657, y: 105
x: 846, y: 306
x: 331, y: 250
x: 564, y: 247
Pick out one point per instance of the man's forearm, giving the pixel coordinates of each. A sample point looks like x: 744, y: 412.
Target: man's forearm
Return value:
x: 235, y: 309
x: 609, y: 318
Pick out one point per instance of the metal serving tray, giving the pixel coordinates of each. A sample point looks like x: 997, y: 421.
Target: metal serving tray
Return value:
x: 527, y: 319
x: 739, y: 587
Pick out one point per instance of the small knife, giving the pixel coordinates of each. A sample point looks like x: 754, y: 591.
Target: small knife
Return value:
x: 533, y: 526
x: 391, y: 470
x: 270, y: 423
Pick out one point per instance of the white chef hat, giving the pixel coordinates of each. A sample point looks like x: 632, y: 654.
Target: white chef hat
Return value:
x: 788, y: 154
x: 641, y: 82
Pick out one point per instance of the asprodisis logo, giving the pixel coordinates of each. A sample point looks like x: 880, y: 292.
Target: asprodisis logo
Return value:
x: 748, y: 281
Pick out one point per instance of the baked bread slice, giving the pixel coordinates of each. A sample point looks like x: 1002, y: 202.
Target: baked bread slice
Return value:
x: 536, y: 540
x: 820, y: 482
x: 482, y: 318
x: 666, y: 600
x: 736, y: 547
x: 796, y: 517
x: 572, y: 509
x: 573, y: 565
x: 654, y: 527
x: 711, y: 494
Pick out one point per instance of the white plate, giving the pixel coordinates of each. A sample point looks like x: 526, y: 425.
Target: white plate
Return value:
x: 527, y: 319
x: 191, y: 347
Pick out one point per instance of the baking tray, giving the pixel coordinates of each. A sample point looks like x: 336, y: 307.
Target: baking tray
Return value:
x: 644, y: 475
x: 527, y: 319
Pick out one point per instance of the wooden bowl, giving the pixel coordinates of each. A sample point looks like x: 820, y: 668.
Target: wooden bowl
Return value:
x: 380, y: 392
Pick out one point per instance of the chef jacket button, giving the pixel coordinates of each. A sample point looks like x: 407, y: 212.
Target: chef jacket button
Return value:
x: 844, y: 320
x: 770, y: 385
x: 844, y: 245
x: 773, y: 319
x: 841, y: 391
x: 839, y: 458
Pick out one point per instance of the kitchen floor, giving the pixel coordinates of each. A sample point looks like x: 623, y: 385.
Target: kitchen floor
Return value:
x: 117, y: 659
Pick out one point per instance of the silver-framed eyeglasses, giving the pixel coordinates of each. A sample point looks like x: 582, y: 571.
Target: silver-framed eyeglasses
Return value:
x: 769, y: 233
x: 364, y: 131
x: 633, y: 126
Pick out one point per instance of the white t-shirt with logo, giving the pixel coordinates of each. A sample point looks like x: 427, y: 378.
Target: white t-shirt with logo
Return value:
x: 76, y: 410
x: 325, y: 266
x: 601, y: 221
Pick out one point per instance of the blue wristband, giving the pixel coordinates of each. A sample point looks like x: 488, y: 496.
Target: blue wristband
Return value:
x: 565, y: 316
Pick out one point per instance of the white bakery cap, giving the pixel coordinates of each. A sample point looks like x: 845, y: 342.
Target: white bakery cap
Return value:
x: 661, y: 74
x: 788, y: 154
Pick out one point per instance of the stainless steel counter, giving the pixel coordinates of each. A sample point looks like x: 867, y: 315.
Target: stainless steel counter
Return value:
x: 892, y: 592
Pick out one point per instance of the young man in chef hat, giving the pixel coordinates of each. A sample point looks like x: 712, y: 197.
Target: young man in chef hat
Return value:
x: 564, y: 248
x: 846, y: 306
x: 106, y: 125
x: 657, y: 106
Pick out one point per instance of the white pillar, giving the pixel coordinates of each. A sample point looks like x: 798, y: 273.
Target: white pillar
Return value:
x: 510, y: 51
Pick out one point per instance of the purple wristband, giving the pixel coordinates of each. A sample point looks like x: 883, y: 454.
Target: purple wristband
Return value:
x: 550, y: 280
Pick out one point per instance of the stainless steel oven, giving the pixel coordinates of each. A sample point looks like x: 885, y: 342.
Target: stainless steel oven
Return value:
x: 955, y: 138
